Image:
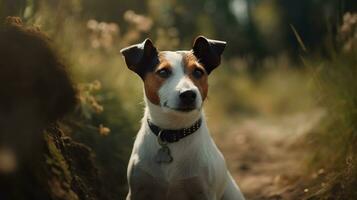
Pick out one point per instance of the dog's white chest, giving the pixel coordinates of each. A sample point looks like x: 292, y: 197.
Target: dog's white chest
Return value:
x: 149, y: 187
x: 168, y: 183
x: 196, y: 172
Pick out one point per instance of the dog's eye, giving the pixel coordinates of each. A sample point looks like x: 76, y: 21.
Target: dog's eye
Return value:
x: 198, y: 73
x: 164, y: 73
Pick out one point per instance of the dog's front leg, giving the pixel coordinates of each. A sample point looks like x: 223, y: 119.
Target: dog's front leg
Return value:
x: 128, y: 197
x: 232, y: 191
x: 143, y: 186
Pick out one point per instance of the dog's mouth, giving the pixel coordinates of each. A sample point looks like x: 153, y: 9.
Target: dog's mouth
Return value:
x: 181, y: 108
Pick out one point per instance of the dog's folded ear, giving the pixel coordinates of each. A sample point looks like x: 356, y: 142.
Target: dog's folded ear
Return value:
x: 141, y: 57
x: 208, y: 52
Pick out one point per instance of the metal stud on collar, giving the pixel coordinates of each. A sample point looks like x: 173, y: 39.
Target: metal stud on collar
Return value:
x: 171, y: 136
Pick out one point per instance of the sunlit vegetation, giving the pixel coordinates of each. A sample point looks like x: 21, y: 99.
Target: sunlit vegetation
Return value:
x: 278, y: 64
x: 334, y: 143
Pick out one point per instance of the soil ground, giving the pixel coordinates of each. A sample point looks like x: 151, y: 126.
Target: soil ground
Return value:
x: 263, y: 157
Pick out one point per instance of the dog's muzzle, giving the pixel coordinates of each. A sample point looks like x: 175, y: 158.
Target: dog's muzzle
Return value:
x: 187, y: 100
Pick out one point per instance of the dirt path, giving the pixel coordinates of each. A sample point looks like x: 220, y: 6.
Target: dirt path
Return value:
x: 262, y: 157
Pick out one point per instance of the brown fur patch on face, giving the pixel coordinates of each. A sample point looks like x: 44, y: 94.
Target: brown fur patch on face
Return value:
x: 190, y: 64
x: 153, y: 82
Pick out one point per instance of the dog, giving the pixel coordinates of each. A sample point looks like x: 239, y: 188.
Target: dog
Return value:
x: 174, y: 157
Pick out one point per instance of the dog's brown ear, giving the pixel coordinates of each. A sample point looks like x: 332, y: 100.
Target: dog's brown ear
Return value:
x: 141, y: 57
x: 208, y: 52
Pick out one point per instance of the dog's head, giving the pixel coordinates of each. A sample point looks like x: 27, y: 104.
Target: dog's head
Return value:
x: 175, y: 80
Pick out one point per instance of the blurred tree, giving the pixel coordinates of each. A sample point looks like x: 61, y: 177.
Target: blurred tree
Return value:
x: 310, y: 19
x: 212, y: 18
x: 11, y: 8
x: 314, y: 21
x: 112, y: 10
x: 254, y: 29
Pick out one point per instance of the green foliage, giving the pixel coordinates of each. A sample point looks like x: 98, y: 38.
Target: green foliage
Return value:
x: 252, y: 27
x: 90, y: 33
x: 107, y: 117
x: 338, y: 92
x: 11, y: 8
x: 334, y: 144
x: 58, y: 166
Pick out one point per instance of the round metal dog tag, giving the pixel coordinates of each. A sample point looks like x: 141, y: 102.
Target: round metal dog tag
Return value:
x: 163, y: 155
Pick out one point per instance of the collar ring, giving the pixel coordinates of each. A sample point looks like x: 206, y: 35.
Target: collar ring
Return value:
x: 160, y: 140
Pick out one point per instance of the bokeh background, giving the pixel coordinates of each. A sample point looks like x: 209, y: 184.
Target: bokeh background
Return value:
x: 282, y: 105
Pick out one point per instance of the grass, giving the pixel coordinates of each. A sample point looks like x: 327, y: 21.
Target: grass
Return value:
x: 333, y: 145
x: 281, y: 90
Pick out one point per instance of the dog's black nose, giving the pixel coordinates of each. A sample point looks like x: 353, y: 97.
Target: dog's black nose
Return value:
x: 188, y: 97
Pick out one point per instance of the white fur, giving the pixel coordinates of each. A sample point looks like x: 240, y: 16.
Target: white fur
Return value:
x: 177, y: 82
x: 198, y: 170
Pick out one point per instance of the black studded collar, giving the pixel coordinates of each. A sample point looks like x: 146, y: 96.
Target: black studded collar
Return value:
x: 172, y: 136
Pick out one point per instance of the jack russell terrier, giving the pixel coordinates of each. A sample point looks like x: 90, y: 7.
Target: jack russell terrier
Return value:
x: 174, y: 156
